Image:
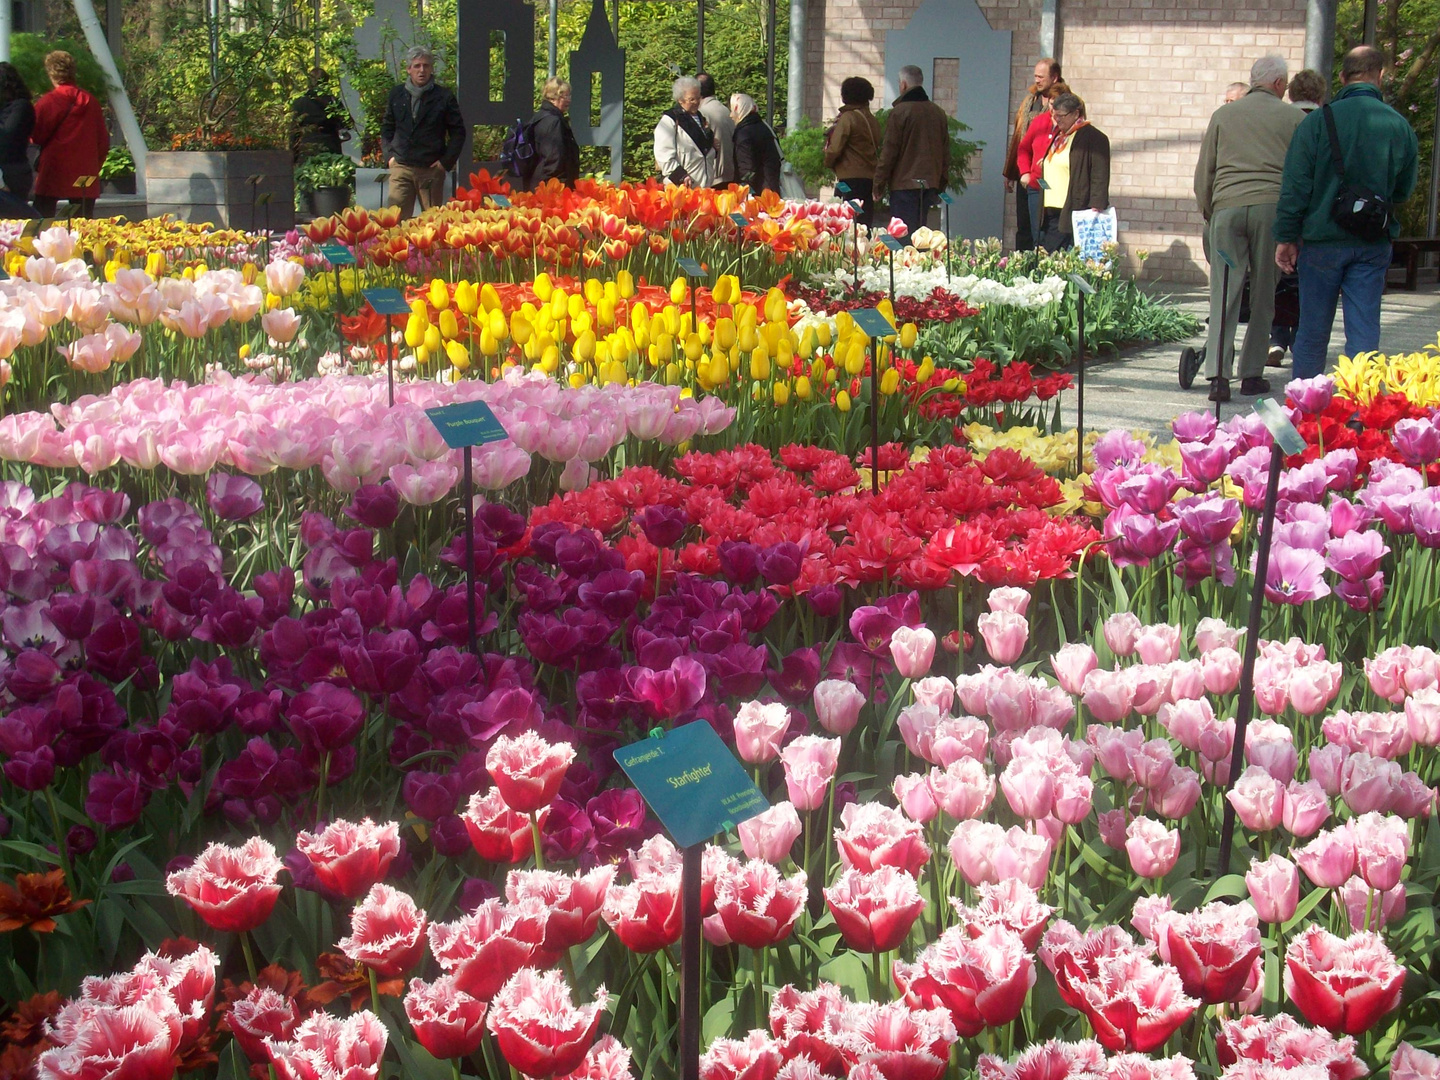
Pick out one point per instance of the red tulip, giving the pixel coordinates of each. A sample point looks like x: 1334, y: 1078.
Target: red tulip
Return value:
x: 1213, y: 949
x: 348, y: 858
x: 574, y: 902
x: 755, y: 1057
x: 262, y: 1014
x: 1342, y: 984
x: 757, y: 906
x: 874, y: 911
x: 232, y: 889
x: 527, y: 770
x: 328, y: 1048
x: 537, y: 1028
x: 896, y: 1041
x: 1011, y: 904
x: 485, y: 948
x: 387, y: 932
x: 1281, y: 1040
x: 98, y: 1040
x: 645, y: 914
x: 804, y: 1024
x: 874, y: 835
x: 1053, y: 1060
x: 498, y: 832
x: 982, y: 980
x: 448, y: 1022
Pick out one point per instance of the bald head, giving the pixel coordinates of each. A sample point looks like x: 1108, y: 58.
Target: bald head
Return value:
x: 1364, y: 63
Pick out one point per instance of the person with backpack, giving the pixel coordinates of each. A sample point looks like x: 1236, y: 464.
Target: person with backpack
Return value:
x: 1349, y: 165
x: 422, y: 135
x: 757, y: 151
x: 556, y: 154
x: 684, y: 143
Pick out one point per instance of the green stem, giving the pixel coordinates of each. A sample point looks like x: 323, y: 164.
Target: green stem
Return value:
x: 759, y: 957
x: 249, y: 956
x: 535, y: 835
x: 61, y: 846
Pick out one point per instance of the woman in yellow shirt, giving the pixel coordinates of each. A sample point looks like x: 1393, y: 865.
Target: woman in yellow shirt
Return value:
x: 1076, y: 173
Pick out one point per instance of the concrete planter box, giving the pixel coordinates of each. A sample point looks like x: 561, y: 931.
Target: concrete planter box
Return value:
x: 211, y: 186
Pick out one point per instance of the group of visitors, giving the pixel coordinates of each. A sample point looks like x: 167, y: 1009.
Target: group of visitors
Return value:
x: 1307, y: 190
x: 701, y: 142
x: 65, y: 127
x: 1057, y: 162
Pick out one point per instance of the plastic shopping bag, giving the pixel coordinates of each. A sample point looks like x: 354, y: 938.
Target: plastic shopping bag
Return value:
x: 1094, y: 228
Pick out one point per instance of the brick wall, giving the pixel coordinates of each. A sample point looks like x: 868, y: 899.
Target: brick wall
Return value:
x: 1150, y: 74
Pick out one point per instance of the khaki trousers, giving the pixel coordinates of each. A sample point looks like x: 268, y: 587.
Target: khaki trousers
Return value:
x: 409, y: 181
x: 1243, y: 233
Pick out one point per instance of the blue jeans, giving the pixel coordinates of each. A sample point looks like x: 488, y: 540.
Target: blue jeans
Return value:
x: 1037, y: 212
x: 1328, y: 272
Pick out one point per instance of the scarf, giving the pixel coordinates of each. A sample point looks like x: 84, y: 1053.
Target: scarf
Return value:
x: 416, y: 93
x: 1058, y: 140
x: 694, y: 126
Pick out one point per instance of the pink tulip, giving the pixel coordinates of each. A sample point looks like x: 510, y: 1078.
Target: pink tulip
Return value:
x: 1158, y: 644
x: 1153, y: 849
x: 757, y: 906
x: 1422, y: 716
x: 1025, y: 857
x: 1112, y: 825
x: 913, y: 650
x: 1272, y: 747
x: 1325, y: 764
x: 448, y: 1022
x: 1258, y: 799
x: 387, y: 932
x: 528, y: 770
x: 1072, y: 663
x: 935, y: 691
x: 955, y: 737
x: 810, y: 763
x: 1313, y: 687
x: 427, y: 484
x: 1009, y: 598
x: 1384, y: 906
x: 284, y: 276
x: 972, y: 848
x: 874, y: 835
x: 1220, y: 668
x: 963, y: 789
x: 915, y: 797
x: 1409, y: 1063
x: 837, y: 705
x: 897, y: 228
x: 874, y: 910
x: 497, y: 465
x: 1329, y: 859
x: 1306, y: 808
x: 281, y: 325
x: 916, y: 724
x: 1029, y: 787
x: 1380, y: 848
x: 573, y: 902
x: 1369, y: 783
x: 1121, y: 630
x: 1213, y: 634
x: 1108, y: 695
x: 1274, y: 887
x: 1005, y: 634
x: 758, y: 730
x: 770, y: 835
x: 1187, y: 681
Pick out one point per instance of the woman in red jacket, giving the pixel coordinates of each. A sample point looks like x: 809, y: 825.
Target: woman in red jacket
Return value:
x: 1030, y: 154
x: 70, y: 131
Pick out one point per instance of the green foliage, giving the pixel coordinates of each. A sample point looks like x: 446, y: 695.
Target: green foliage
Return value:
x: 27, y: 53
x: 118, y: 162
x: 325, y: 170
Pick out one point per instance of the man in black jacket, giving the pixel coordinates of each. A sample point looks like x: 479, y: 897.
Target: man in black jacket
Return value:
x: 557, y: 155
x: 422, y: 135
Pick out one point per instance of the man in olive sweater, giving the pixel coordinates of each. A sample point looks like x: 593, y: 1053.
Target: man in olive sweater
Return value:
x: 1237, y: 184
x: 1379, y: 154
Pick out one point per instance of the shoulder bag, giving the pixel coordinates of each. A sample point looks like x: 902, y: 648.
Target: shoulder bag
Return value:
x: 1361, y: 212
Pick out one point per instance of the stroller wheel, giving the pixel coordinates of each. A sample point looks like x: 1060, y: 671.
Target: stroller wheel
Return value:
x: 1190, y: 362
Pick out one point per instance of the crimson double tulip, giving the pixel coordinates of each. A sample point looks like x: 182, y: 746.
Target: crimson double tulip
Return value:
x: 539, y: 1030
x: 981, y: 980
x: 232, y: 889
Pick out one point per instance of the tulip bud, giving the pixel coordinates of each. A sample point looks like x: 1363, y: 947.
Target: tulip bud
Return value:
x: 449, y: 325
x: 782, y: 393
x: 550, y: 359
x: 559, y: 304
x: 677, y: 291
x: 489, y: 298
x: 747, y: 339
x: 594, y: 292
x: 802, y: 388
x: 459, y: 355
x: 842, y: 401
x: 890, y: 381
x: 415, y: 327
x: 908, y: 334
x: 439, y: 295
x: 725, y: 333
x: 759, y: 366
x: 520, y: 328
x: 625, y: 284
x: 585, y: 346
x: 605, y: 312
x: 694, y: 347
x: 543, y: 287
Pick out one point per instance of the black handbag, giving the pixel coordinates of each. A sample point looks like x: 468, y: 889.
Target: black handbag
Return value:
x: 1356, y: 209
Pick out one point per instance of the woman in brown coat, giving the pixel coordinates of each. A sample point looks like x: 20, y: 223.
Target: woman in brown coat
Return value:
x: 852, y: 146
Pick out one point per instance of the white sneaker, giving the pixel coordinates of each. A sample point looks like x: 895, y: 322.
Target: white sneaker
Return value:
x: 1277, y: 356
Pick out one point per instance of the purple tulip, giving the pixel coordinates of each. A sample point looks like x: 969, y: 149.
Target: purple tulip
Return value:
x: 1417, y: 440
x: 669, y: 693
x: 115, y: 800
x: 663, y: 525
x: 276, y: 589
x: 1425, y: 517
x: 582, y: 554
x: 1310, y: 396
x: 605, y: 695
x: 1302, y: 534
x: 158, y: 518
x: 1207, y: 521
x: 1295, y: 575
x: 376, y: 506
x: 617, y: 816
x: 558, y: 639
x: 738, y: 670
x: 72, y: 614
x: 31, y: 770
x: 450, y: 837
x: 615, y: 593
x: 797, y: 675
x: 1117, y: 448
x: 1362, y: 595
x: 825, y: 600
x: 739, y: 561
x: 504, y: 526
x: 325, y: 717
x: 231, y: 621
x: 1140, y: 537
x: 567, y: 832
x: 1148, y: 492
x: 1341, y: 467
x: 1355, y: 556
x: 780, y: 563
x: 103, y: 507
x: 1205, y: 462
x: 1193, y: 426
x: 233, y: 498
x: 382, y: 663
x: 509, y: 708
x: 80, y: 840
x: 32, y: 675
x: 1194, y: 562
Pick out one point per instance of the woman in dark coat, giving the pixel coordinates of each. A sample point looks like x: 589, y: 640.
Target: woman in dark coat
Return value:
x: 757, y: 152
x: 17, y: 121
x: 557, y: 155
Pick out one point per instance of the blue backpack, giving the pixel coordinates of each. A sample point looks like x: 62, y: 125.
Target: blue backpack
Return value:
x: 518, y: 153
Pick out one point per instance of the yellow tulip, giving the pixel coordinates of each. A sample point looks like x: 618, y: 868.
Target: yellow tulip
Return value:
x: 577, y: 380
x: 521, y: 328
x: 449, y: 325
x: 747, y: 315
x: 855, y: 355
x: 782, y: 393
x: 703, y: 331
x: 924, y: 372
x: 665, y: 348
x: 248, y: 272
x: 593, y: 291
x: 784, y: 355
x: 498, y: 327
x: 488, y: 345
x: 823, y: 335
x: 625, y: 284
x: 759, y: 366
x: 581, y: 322
x: 605, y: 312
x: 725, y: 333
x: 890, y: 382
x: 585, y: 346
x: 747, y: 339
x: 458, y: 354
x: 543, y: 287
x: 802, y: 388
x: 721, y: 292
x: 842, y: 401
x: 439, y: 295
x: 672, y: 319
x: 886, y: 308
x: 467, y: 297
x: 422, y: 356
x: 489, y: 298
x: 559, y: 304
x: 432, y: 338
x: 155, y: 264
x: 775, y: 307
x: 843, y: 324
x: 614, y: 372
x: 575, y: 305
x: 908, y: 334
x: 677, y: 291
x: 672, y: 374
x: 415, y: 327
x: 603, y: 354
x: 639, y: 316
x: 830, y: 376
x: 550, y: 359
x: 719, y: 370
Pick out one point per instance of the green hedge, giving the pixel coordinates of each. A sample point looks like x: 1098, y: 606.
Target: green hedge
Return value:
x: 27, y: 53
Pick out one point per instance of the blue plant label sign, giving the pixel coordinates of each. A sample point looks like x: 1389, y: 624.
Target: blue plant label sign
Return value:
x: 857, y: 206
x: 873, y: 323
x: 692, y: 781
x: 690, y: 268
x: 946, y: 198
x: 387, y: 301
x: 336, y: 253
x: 502, y: 201
x: 1279, y: 425
x: 740, y: 220
x: 842, y: 188
x: 466, y: 423
x: 891, y: 242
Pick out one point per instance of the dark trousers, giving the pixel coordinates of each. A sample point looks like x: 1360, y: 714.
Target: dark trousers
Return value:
x: 1051, y: 238
x: 911, y: 207
x: 46, y: 205
x: 1024, y: 227
x: 862, y: 188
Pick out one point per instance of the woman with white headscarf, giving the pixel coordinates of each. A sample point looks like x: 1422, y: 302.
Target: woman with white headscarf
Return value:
x: 684, y: 143
x: 757, y: 152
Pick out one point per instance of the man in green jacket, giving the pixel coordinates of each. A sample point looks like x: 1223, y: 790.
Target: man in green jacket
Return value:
x: 1380, y: 153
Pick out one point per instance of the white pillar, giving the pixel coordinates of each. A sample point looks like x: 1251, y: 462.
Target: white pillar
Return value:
x: 795, y: 96
x: 6, y: 11
x: 1320, y: 37
x: 1050, y: 29
x: 119, y: 100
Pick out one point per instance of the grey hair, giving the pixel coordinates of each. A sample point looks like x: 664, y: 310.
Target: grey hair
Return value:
x: 741, y: 106
x: 682, y: 85
x: 1269, y: 69
x: 912, y: 75
x: 1068, y: 103
x: 415, y: 52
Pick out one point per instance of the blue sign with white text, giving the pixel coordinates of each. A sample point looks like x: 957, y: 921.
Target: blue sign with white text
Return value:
x: 387, y: 301
x: 466, y: 423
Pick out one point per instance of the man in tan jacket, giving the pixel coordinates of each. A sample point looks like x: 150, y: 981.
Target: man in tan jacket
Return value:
x: 1237, y: 185
x: 1047, y: 74
x: 915, y: 156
